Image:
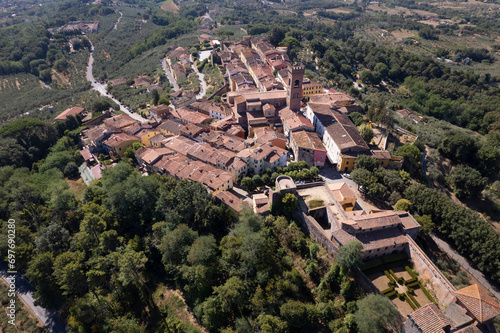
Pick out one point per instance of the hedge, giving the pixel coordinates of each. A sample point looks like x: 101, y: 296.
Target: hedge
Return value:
x: 408, y: 300
x: 392, y: 294
x: 408, y: 269
x: 413, y: 285
x: 394, y: 257
x: 385, y: 291
x: 410, y: 281
x: 394, y: 275
x: 427, y: 294
x: 413, y: 300
x: 389, y: 276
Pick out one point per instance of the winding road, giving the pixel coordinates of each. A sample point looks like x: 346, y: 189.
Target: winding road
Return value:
x: 25, y: 291
x: 101, y: 88
x: 118, y: 21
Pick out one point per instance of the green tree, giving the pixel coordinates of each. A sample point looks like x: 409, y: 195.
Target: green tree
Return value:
x: 426, y: 224
x: 350, y: 255
x: 377, y: 314
x: 402, y: 205
x: 366, y: 162
x: 290, y: 204
x: 412, y: 157
x: 366, y: 132
x: 357, y: 118
x: 467, y: 182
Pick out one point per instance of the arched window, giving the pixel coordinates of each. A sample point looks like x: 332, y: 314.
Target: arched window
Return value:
x: 296, y: 84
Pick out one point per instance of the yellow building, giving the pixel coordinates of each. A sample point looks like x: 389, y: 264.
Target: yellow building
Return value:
x: 310, y: 87
x: 344, y: 195
x: 118, y: 143
x: 145, y: 134
x: 385, y: 159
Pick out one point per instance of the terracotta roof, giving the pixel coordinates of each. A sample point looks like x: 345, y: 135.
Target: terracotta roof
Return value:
x: 192, y: 130
x: 86, y: 154
x: 117, y: 139
x: 205, y: 106
x: 231, y: 200
x: 117, y: 82
x: 430, y: 319
x: 339, y: 126
x: 69, y: 112
x: 171, y: 126
x: 374, y: 239
x: 151, y: 154
x: 120, y: 121
x: 189, y: 116
x: 157, y: 138
x: 331, y: 98
x: 478, y: 302
x: 97, y: 132
x: 308, y: 140
x: 341, y: 191
x: 132, y: 129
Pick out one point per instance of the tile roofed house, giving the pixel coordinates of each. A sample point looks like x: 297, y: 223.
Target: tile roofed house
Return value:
x: 263, y: 157
x: 188, y: 116
x: 339, y: 133
x: 120, y: 121
x: 231, y: 200
x: 381, y: 233
x: 478, y: 303
x: 159, y: 112
x: 193, y: 130
x: 117, y: 143
x: 141, y: 81
x: 405, y: 113
x: 293, y: 121
x: 117, y: 82
x: 222, y: 140
x: 213, y: 109
x: 70, y: 112
x: 308, y: 147
x: 170, y: 127
x: 428, y: 319
x: 344, y: 195
x: 182, y: 98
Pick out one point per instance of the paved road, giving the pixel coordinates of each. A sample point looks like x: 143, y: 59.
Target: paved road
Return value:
x: 465, y: 264
x: 169, y: 75
x: 25, y: 291
x: 101, y: 88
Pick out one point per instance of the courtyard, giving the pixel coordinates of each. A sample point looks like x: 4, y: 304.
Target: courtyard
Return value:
x: 395, y: 277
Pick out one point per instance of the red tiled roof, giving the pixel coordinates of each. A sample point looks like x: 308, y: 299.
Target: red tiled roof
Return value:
x: 430, y: 319
x: 117, y: 139
x: 308, y: 140
x: 478, y: 302
x: 120, y: 121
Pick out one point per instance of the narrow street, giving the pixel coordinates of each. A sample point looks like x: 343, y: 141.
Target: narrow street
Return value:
x: 25, y: 291
x: 169, y: 75
x: 465, y: 264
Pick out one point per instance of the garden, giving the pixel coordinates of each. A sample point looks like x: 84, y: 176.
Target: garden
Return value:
x: 395, y: 278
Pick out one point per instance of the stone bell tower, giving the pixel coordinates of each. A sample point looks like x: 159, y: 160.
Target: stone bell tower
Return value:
x: 295, y: 77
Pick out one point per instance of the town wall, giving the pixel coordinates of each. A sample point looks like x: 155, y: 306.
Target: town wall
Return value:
x: 313, y: 228
x: 428, y: 271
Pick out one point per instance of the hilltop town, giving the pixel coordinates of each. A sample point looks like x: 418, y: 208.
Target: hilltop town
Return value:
x: 249, y: 166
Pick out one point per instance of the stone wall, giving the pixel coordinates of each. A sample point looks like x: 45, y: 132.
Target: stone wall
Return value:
x: 428, y: 271
x: 316, y: 232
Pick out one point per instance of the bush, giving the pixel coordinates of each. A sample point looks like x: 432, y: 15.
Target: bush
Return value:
x: 394, y: 275
x: 392, y: 294
x: 414, y: 284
